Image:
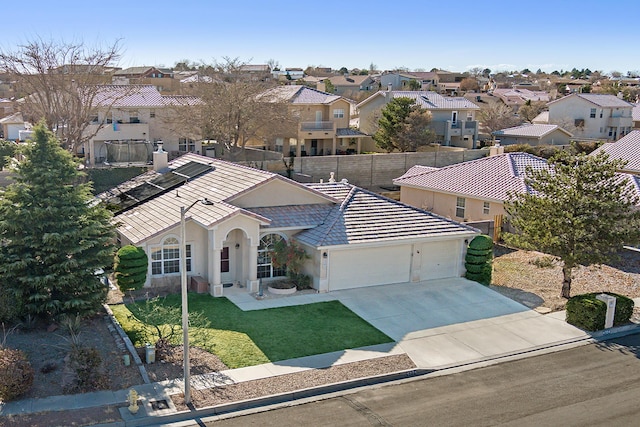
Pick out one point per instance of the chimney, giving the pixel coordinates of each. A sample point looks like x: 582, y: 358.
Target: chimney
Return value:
x: 160, y: 158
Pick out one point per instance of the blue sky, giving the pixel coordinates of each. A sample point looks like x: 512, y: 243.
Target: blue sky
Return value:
x: 500, y: 35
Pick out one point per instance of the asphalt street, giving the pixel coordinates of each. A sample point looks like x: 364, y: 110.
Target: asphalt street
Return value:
x: 597, y: 384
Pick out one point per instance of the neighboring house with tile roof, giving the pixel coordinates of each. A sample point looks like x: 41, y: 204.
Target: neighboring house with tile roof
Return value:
x: 533, y: 134
x: 355, y: 238
x: 323, y: 123
x: 348, y: 85
x: 595, y: 116
x: 162, y: 78
x: 453, y: 119
x: 129, y: 120
x: 469, y: 191
x: 626, y: 148
x: 515, y: 98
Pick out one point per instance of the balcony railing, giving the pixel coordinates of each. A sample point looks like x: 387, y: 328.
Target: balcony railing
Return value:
x: 315, y: 126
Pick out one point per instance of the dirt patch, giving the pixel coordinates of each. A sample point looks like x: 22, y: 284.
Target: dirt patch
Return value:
x: 47, y: 349
x: 535, y: 279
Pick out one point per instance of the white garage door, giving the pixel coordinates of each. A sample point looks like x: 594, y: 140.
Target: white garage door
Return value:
x: 367, y: 267
x: 439, y: 260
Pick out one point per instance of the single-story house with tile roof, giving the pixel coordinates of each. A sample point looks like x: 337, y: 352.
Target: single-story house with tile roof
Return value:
x: 469, y: 191
x: 475, y: 191
x: 354, y: 237
x: 534, y: 134
x: 626, y: 148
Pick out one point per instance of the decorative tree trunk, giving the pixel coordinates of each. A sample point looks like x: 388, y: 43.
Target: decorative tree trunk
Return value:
x: 566, y: 282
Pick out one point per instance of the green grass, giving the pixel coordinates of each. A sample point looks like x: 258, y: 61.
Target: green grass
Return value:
x: 246, y: 338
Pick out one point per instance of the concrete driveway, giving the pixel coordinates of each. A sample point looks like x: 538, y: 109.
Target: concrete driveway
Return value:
x: 446, y: 322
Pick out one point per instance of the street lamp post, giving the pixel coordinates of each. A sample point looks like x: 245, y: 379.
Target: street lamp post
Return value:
x: 185, y: 308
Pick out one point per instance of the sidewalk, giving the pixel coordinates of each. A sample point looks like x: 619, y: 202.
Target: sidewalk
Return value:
x: 462, y: 346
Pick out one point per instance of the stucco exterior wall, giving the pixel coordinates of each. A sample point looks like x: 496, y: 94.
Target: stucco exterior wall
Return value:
x: 445, y: 204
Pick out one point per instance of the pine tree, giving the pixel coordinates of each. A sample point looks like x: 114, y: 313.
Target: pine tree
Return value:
x: 53, y: 237
x: 579, y: 210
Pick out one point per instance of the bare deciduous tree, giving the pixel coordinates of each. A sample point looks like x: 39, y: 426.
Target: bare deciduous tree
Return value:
x: 235, y: 108
x: 495, y: 117
x: 60, y: 83
x: 530, y: 109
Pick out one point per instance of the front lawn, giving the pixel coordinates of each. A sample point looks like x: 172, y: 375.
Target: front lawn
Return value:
x: 245, y: 338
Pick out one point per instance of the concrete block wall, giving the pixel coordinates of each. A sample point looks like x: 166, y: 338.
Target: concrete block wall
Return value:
x: 372, y: 170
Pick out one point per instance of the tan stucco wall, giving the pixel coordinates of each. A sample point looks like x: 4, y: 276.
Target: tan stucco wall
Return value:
x: 278, y: 193
x: 445, y: 204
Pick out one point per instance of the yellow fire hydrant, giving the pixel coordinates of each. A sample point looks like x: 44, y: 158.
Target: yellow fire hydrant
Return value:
x: 132, y: 399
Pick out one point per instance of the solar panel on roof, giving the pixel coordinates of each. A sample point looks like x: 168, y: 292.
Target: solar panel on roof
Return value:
x: 161, y: 184
x: 192, y: 169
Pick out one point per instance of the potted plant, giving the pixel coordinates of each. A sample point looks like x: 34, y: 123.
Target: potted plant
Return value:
x: 292, y: 257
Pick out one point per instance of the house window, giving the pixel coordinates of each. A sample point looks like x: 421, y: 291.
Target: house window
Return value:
x: 279, y: 144
x: 460, y: 202
x: 152, y: 115
x: 265, y: 267
x: 133, y: 117
x: 454, y: 116
x: 186, y: 144
x: 338, y: 113
x: 485, y: 208
x: 592, y: 114
x: 165, y: 259
x: 94, y: 119
x: 601, y: 113
x: 469, y: 116
x: 224, y: 260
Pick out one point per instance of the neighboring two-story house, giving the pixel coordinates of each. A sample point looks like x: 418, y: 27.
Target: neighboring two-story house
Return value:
x: 453, y: 119
x: 401, y: 80
x: 130, y: 120
x: 323, y: 123
x: 590, y: 115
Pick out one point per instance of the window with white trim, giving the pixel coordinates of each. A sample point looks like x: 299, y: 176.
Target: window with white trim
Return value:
x: 265, y: 266
x: 338, y: 113
x: 165, y: 259
x: 592, y: 113
x: 460, y: 204
x: 485, y: 208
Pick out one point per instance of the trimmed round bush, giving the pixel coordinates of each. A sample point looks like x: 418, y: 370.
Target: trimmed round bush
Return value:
x: 478, y: 259
x: 486, y: 253
x: 481, y: 242
x: 589, y: 313
x: 131, y: 263
x: 16, y: 374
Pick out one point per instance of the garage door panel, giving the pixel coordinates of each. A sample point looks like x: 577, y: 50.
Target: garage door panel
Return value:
x: 439, y: 260
x: 368, y: 267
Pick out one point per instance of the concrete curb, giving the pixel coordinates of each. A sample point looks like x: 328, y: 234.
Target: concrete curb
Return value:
x: 336, y: 389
